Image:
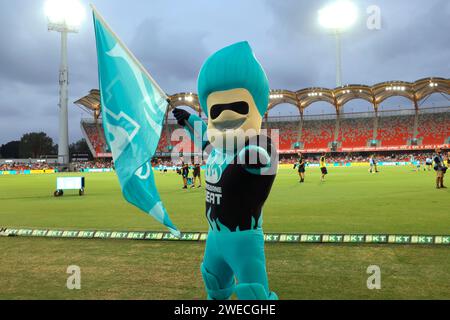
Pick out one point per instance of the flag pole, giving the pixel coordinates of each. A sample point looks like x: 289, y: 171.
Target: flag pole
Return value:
x: 132, y: 56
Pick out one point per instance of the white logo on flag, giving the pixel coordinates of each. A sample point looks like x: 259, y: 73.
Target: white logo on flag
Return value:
x: 141, y: 174
x: 120, y: 137
x: 119, y: 52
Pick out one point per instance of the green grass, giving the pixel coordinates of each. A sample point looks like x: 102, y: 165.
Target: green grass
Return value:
x: 396, y: 200
x: 119, y: 269
x: 351, y: 201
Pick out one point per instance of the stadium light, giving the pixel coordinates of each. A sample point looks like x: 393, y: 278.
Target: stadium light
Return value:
x: 63, y: 16
x: 276, y: 96
x: 337, y: 17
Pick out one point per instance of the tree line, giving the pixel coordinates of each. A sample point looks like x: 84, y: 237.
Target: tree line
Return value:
x: 37, y: 145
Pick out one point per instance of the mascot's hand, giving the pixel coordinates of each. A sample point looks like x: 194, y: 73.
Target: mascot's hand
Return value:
x: 254, y: 157
x: 181, y: 115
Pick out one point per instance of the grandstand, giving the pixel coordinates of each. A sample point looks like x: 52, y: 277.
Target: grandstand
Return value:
x: 414, y: 129
x: 95, y: 137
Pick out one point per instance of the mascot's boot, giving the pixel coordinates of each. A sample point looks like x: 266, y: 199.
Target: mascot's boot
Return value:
x: 254, y: 291
x: 213, y: 287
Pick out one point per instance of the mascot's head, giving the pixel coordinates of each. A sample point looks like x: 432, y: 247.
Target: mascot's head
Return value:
x: 234, y: 93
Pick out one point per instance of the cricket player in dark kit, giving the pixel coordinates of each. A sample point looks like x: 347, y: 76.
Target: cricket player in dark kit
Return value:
x: 300, y: 164
x: 196, y: 175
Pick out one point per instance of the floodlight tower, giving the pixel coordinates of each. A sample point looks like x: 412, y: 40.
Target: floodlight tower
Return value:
x: 64, y: 16
x: 338, y: 17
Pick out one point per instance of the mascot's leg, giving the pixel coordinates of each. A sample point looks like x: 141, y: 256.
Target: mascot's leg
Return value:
x: 217, y: 274
x: 244, y: 252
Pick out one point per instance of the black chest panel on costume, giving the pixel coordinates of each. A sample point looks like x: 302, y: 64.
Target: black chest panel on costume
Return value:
x: 241, y: 198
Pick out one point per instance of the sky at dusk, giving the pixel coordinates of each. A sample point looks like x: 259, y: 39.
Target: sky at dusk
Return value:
x: 173, y: 38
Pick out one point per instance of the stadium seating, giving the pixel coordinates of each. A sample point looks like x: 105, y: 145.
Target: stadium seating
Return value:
x: 393, y: 130
x: 178, y: 140
x: 288, y: 132
x: 95, y: 137
x: 318, y: 133
x: 434, y: 128
x: 355, y: 132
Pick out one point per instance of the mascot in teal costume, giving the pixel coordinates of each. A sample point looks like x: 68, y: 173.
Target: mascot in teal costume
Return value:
x: 233, y: 92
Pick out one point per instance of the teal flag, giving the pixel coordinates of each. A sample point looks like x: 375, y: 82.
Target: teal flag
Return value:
x: 133, y: 110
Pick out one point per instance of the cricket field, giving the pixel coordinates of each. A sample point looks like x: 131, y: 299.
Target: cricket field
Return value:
x: 351, y: 201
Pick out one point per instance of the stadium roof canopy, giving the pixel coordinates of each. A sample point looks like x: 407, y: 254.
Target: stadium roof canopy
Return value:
x: 338, y: 97
x: 91, y: 102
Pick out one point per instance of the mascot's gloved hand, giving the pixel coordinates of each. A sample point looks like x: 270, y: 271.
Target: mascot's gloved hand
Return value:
x: 181, y: 115
x: 256, y: 154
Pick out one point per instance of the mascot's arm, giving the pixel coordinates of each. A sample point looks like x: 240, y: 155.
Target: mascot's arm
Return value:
x: 194, y: 125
